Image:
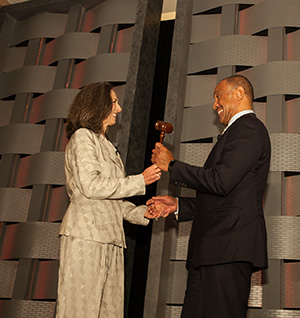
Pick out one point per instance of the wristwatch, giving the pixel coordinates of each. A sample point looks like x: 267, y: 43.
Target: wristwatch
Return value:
x: 171, y: 164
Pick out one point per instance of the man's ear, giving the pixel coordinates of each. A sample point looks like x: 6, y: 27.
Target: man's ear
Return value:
x: 240, y: 92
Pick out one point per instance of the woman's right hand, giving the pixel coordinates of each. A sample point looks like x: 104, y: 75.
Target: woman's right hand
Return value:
x: 151, y: 174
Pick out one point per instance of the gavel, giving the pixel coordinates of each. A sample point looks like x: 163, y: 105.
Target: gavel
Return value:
x: 164, y: 128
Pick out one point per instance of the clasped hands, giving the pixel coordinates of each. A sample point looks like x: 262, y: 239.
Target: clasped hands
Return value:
x: 161, y: 206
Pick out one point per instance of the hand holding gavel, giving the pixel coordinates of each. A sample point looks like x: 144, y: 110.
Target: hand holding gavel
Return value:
x: 161, y: 156
x: 164, y: 128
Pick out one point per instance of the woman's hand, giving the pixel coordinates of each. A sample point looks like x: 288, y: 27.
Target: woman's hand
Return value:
x: 151, y: 174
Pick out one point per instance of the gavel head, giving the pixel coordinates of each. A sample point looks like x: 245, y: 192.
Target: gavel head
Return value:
x: 164, y: 128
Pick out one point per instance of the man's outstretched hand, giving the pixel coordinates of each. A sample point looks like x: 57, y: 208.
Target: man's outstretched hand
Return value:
x: 162, y: 206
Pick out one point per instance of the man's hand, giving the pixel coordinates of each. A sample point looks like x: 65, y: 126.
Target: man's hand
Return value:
x: 162, y: 206
x: 161, y: 156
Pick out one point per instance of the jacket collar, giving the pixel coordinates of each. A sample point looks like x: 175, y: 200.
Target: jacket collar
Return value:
x: 237, y: 116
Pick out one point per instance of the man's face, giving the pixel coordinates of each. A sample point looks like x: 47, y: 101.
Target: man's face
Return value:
x: 225, y: 102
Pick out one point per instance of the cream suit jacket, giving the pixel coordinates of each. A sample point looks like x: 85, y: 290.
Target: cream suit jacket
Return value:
x: 96, y: 184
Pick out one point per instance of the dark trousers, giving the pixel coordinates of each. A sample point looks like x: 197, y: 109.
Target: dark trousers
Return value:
x: 218, y: 291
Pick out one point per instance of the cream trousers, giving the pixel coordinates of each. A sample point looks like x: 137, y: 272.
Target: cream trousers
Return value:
x: 91, y: 280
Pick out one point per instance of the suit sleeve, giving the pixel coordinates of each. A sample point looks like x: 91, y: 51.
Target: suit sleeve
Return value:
x: 88, y: 165
x: 242, y: 151
x: 186, y: 209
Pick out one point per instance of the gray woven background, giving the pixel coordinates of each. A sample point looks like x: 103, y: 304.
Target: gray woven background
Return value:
x: 214, y: 39
x: 48, y: 51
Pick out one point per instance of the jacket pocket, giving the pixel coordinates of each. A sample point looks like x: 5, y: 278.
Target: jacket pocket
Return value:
x: 221, y: 221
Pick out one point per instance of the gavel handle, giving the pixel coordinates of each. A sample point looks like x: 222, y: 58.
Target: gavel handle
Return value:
x: 161, y: 137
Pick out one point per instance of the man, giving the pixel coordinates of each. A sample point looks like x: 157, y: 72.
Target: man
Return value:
x: 228, y: 237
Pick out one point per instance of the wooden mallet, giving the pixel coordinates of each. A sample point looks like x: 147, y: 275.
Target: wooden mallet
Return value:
x: 164, y: 128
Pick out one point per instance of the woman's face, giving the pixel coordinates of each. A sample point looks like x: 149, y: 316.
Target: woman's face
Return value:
x: 111, y: 119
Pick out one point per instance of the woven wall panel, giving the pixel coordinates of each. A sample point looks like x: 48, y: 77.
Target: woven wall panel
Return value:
x: 58, y: 204
x: 293, y: 116
x: 47, y: 275
x: 41, y: 168
x: 177, y: 283
x: 291, y: 281
x: 269, y: 14
x: 73, y: 45
x: 53, y: 104
x: 235, y: 50
x: 199, y: 122
x: 260, y: 110
x: 21, y: 138
x: 14, y: 204
x: 195, y: 154
x: 293, y: 46
x: 179, y: 249
x: 283, y: 237
x: 8, y: 271
x: 29, y: 309
x: 291, y: 197
x: 48, y: 25
x: 285, y: 152
x: 199, y: 90
x: 274, y: 78
x: 204, y: 5
x: 256, y: 292
x: 106, y: 14
x: 123, y: 41
x: 113, y: 68
x: 45, y: 58
x: 272, y: 313
x: 37, y: 79
x: 5, y: 110
x: 15, y: 58
x: 31, y: 240
x: 173, y: 311
x: 205, y: 27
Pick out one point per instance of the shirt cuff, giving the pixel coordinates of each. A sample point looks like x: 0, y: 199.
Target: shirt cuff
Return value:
x: 177, y: 211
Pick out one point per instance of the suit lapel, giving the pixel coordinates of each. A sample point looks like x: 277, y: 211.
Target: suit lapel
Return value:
x: 215, y: 153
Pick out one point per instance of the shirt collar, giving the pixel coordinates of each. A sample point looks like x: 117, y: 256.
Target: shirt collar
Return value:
x: 237, y: 116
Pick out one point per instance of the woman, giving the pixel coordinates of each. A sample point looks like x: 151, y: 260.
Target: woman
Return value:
x: 91, y: 273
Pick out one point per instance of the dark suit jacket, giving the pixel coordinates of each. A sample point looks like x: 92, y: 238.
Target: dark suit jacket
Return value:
x: 227, y: 213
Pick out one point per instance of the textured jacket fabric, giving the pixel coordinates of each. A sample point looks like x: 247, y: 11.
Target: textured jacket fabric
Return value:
x: 97, y: 185
x: 227, y: 213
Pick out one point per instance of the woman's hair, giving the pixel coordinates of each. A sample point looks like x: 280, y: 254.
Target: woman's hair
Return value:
x: 89, y: 108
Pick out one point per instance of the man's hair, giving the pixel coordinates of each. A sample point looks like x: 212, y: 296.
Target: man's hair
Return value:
x: 240, y: 80
x: 89, y: 108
